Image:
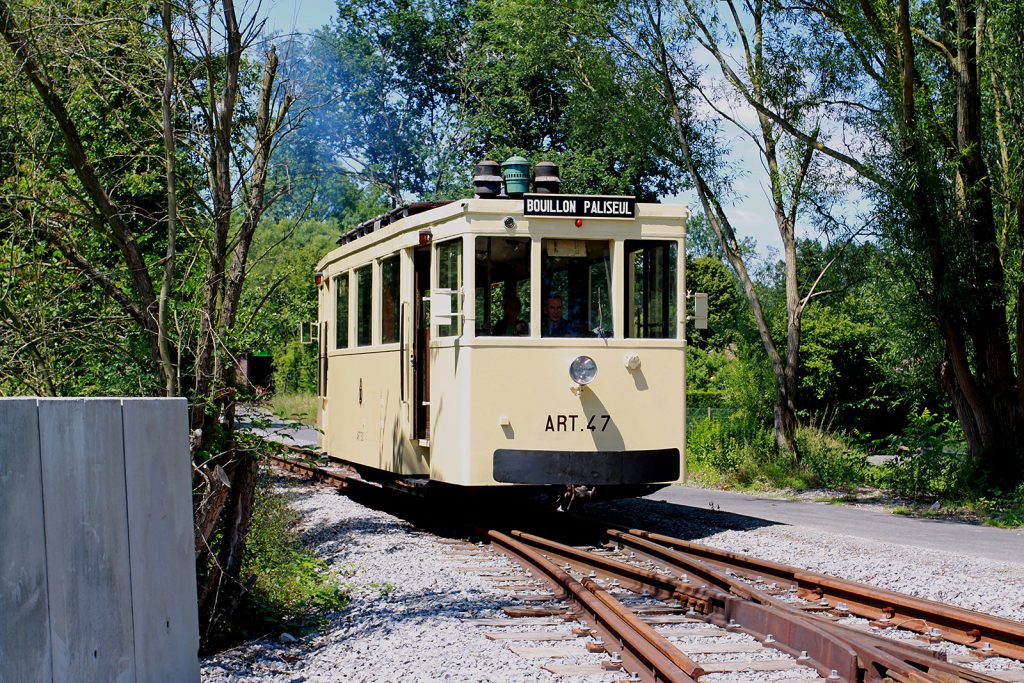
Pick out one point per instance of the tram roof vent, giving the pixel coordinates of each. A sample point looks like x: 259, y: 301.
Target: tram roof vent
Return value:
x: 517, y: 176
x: 487, y: 179
x: 545, y: 178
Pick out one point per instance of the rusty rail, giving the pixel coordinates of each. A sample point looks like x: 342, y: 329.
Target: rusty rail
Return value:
x: 878, y: 658
x: 981, y: 632
x: 643, y: 649
x: 792, y: 634
x: 312, y: 471
x: 712, y: 588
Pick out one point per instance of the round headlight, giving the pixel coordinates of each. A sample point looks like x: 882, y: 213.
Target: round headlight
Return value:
x: 583, y: 370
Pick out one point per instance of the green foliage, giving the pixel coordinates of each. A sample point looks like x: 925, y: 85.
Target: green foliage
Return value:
x: 294, y: 591
x: 727, y: 448
x: 407, y: 95
x: 706, y: 376
x: 384, y: 588
x: 529, y: 87
x: 380, y: 84
x: 736, y: 451
x: 835, y: 464
x: 295, y: 367
x: 1005, y: 510
x: 726, y: 306
x: 844, y: 371
x: 295, y: 406
x: 281, y: 294
x: 703, y: 398
x: 931, y: 460
x: 60, y: 332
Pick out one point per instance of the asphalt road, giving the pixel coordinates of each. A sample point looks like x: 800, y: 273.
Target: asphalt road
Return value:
x: 277, y: 429
x: 874, y: 524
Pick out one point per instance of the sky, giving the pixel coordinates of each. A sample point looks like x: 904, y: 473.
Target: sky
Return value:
x: 299, y: 16
x: 751, y: 215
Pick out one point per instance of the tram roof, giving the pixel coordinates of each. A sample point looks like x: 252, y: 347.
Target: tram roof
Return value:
x: 396, y: 214
x: 441, y: 211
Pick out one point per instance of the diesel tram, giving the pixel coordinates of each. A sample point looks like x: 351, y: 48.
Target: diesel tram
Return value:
x: 533, y: 343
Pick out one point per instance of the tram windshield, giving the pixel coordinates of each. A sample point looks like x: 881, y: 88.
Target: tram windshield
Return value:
x: 576, y: 281
x: 503, y: 286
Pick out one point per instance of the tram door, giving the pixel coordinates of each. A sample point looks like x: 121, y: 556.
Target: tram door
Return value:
x: 421, y: 345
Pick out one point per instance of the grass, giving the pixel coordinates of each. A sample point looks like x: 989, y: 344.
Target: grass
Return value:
x: 300, y: 407
x: 291, y: 589
x: 933, y: 476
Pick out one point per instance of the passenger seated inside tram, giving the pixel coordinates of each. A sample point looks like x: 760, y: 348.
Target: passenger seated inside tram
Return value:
x: 554, y: 324
x: 511, y: 325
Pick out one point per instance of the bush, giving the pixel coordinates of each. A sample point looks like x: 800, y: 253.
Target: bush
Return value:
x: 295, y: 368
x: 716, y: 445
x: 292, y: 590
x: 931, y: 460
x: 1006, y: 510
x: 835, y: 464
x: 734, y: 450
x: 704, y: 398
x: 737, y: 450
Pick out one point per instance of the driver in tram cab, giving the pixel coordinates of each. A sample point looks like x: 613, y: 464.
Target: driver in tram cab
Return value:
x: 511, y: 325
x: 554, y: 324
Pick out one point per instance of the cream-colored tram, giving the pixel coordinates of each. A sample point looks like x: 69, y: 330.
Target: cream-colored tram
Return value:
x: 504, y: 343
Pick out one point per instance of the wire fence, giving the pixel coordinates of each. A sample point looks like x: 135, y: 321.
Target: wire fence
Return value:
x: 697, y: 414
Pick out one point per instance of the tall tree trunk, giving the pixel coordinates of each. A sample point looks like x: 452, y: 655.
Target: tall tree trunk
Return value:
x: 166, y: 359
x: 978, y: 372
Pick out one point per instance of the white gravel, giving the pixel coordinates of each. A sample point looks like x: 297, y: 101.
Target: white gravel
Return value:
x: 407, y: 619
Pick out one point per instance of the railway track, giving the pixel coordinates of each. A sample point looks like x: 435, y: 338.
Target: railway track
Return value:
x: 665, y: 609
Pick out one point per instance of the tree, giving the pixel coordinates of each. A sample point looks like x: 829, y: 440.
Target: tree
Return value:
x: 382, y: 98
x: 116, y: 160
x: 652, y: 37
x: 537, y: 81
x: 406, y: 96
x: 935, y: 104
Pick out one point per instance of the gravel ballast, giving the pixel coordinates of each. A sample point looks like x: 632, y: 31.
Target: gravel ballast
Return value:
x: 412, y: 598
x: 974, y: 583
x: 407, y: 618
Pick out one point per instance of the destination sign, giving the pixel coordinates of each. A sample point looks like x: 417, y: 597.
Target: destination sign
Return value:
x: 578, y: 206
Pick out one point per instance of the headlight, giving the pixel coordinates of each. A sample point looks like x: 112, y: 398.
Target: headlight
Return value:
x: 583, y: 370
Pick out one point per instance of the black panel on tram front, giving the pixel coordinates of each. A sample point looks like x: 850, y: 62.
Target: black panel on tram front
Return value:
x: 591, y: 468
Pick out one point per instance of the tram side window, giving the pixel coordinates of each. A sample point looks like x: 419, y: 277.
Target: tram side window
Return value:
x: 364, y: 306
x: 449, y: 276
x: 389, y: 301
x: 576, y: 280
x: 503, y: 286
x: 651, y: 289
x: 341, y: 313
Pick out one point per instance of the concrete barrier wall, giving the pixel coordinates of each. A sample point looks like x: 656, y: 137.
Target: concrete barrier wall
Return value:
x: 97, y: 569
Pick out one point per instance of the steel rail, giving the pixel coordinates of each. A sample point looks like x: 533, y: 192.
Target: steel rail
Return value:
x: 792, y: 634
x: 332, y: 478
x: 832, y: 649
x: 878, y: 657
x: 642, y: 647
x: 982, y: 632
x: 318, y: 473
